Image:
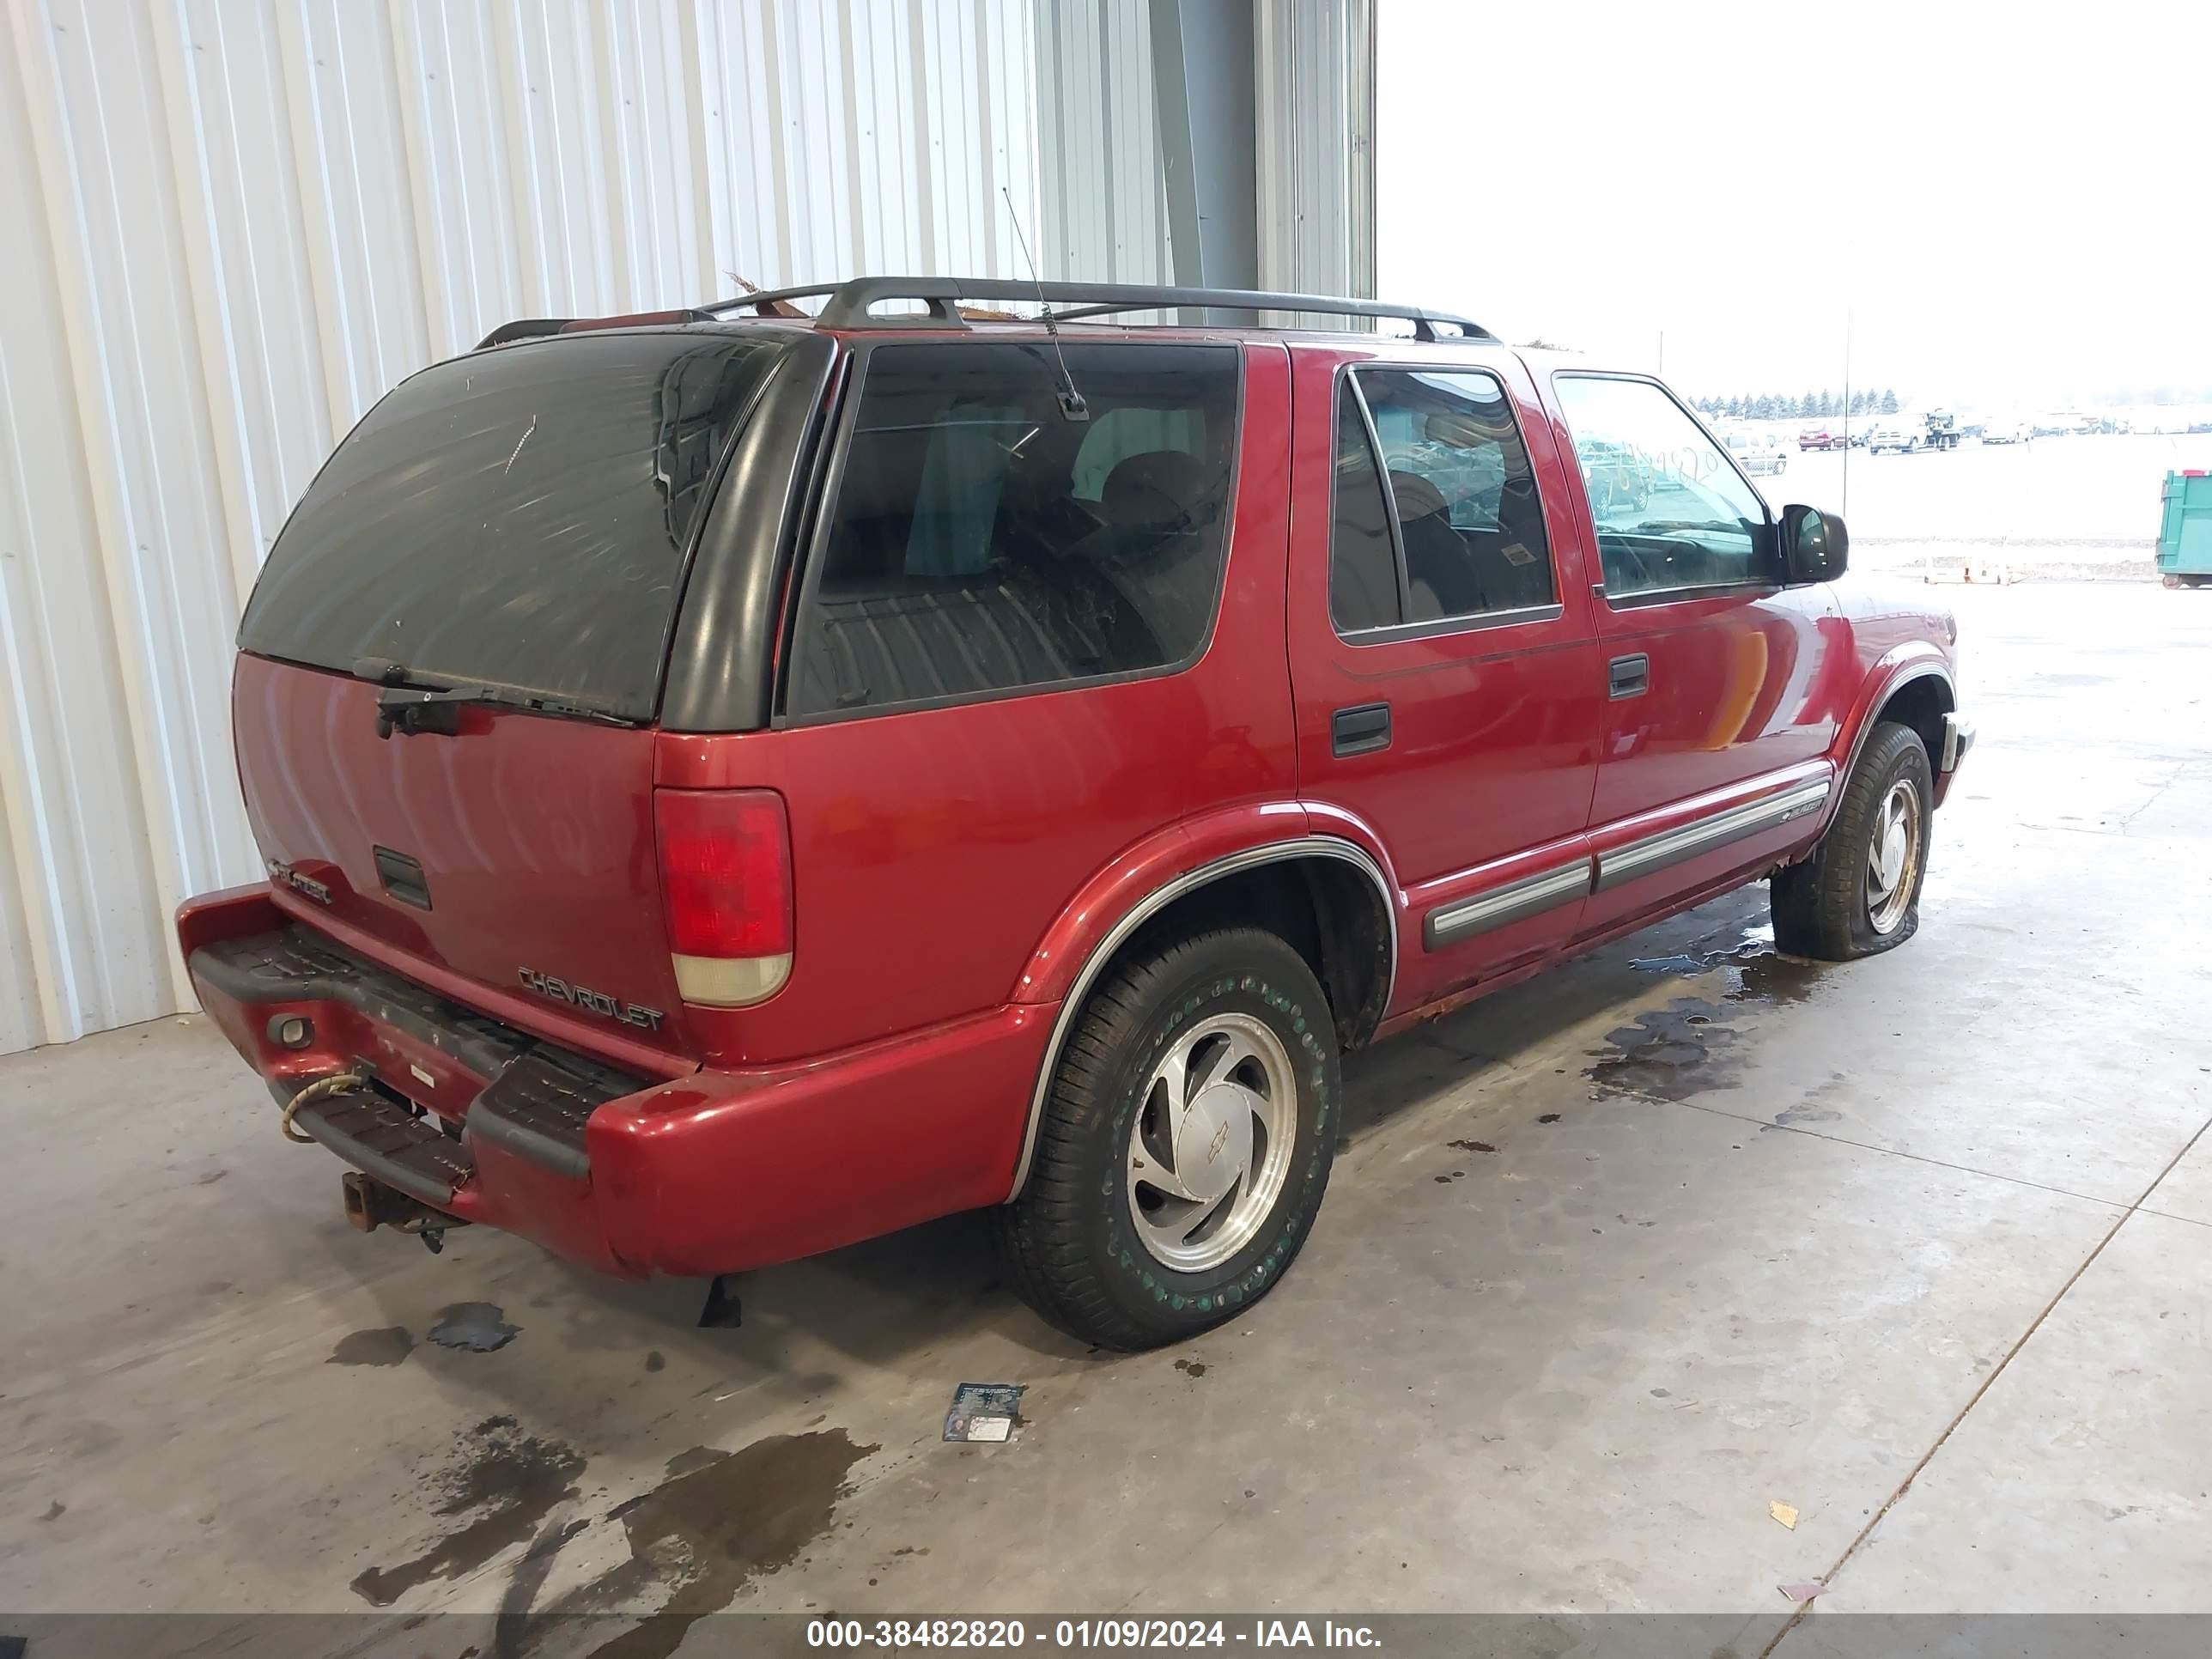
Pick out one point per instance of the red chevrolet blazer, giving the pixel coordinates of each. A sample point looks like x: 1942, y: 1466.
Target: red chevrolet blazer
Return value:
x: 735, y: 783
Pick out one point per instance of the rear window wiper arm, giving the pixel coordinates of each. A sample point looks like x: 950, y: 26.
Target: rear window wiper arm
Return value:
x: 408, y: 705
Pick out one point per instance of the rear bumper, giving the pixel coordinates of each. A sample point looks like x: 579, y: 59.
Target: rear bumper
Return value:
x: 712, y: 1172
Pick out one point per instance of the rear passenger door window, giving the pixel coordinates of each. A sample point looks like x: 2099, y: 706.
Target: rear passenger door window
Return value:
x: 1436, y: 520
x: 981, y: 541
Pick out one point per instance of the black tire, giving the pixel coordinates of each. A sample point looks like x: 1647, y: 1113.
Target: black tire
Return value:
x: 1822, y: 905
x: 1070, y: 1243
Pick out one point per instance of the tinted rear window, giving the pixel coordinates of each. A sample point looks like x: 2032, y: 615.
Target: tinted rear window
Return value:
x: 982, y: 542
x: 519, y: 517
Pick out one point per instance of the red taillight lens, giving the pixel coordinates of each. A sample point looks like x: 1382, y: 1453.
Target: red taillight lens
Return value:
x: 726, y: 888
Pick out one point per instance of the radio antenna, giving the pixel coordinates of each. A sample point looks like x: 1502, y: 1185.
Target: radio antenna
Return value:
x: 1071, y: 401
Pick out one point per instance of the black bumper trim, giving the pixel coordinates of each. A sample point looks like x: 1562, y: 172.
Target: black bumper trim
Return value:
x: 295, y: 966
x: 385, y: 1140
x: 535, y: 1103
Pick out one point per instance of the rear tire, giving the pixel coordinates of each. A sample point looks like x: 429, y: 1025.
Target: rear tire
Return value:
x: 1138, y: 1224
x: 1858, y: 895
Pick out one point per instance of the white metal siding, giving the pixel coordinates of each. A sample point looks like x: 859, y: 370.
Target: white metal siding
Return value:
x: 234, y: 223
x: 1314, y: 92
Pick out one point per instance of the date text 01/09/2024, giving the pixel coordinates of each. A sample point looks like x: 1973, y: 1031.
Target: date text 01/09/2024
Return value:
x: 899, y: 1633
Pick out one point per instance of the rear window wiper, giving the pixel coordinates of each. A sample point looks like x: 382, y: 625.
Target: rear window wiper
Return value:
x: 407, y: 705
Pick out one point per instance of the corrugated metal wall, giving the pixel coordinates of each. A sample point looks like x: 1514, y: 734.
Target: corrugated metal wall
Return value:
x: 1314, y: 97
x: 235, y: 222
x: 1100, y: 151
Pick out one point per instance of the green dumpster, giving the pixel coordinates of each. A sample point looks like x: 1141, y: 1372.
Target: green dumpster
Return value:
x: 2185, y: 535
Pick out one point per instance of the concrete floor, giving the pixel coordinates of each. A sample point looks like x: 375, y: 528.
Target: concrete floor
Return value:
x: 1921, y: 1247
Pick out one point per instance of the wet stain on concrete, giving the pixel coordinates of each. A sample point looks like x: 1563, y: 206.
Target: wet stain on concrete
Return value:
x: 387, y: 1345
x: 1472, y: 1145
x: 1806, y: 1112
x: 1685, y: 963
x: 1191, y: 1367
x: 1757, y: 972
x: 1672, y: 1052
x: 502, y: 1484
x: 211, y: 1177
x: 55, y: 1510
x: 477, y: 1326
x: 656, y: 1361
x: 719, y: 1520
x: 684, y: 1462
x: 1547, y: 1117
x: 1770, y: 978
x: 511, y: 1632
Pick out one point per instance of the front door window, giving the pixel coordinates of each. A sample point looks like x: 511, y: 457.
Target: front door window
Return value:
x: 1672, y: 511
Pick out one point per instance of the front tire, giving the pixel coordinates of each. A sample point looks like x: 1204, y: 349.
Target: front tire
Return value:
x: 1858, y: 895
x: 1185, y: 1145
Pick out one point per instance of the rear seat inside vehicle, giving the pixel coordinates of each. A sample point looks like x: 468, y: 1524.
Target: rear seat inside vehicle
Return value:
x: 929, y: 604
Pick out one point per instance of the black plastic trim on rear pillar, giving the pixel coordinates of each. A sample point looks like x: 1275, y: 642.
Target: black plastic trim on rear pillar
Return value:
x: 720, y: 664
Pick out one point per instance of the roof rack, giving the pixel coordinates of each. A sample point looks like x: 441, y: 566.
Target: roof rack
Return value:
x: 850, y: 304
x: 531, y: 328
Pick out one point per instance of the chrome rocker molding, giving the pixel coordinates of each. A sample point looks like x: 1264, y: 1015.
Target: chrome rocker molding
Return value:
x: 1654, y: 853
x: 1449, y: 924
x: 1153, y: 902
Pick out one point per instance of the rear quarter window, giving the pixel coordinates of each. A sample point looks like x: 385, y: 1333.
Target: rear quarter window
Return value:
x: 519, y: 517
x: 981, y: 541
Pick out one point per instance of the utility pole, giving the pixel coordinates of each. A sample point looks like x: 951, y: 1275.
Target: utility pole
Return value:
x: 1846, y: 509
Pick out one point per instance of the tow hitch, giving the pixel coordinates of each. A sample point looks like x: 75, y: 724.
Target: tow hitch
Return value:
x: 371, y: 1203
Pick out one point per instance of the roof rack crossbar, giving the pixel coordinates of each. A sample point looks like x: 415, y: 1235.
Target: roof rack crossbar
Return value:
x: 760, y: 299
x: 851, y: 305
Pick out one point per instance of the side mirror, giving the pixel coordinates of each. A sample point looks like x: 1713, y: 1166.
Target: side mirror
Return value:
x: 1815, y: 547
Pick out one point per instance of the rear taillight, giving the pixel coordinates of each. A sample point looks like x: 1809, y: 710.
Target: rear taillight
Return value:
x: 726, y: 887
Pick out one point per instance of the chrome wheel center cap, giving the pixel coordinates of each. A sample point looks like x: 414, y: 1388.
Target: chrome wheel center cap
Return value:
x: 1213, y: 1146
x: 1889, y: 856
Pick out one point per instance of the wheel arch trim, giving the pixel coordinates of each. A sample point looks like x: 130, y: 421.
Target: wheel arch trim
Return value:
x: 1180, y: 886
x: 1901, y: 674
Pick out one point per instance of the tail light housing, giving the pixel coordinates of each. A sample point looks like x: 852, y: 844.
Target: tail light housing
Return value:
x: 725, y: 890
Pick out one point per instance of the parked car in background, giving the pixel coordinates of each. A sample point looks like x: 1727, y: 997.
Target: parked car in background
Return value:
x: 2007, y: 432
x: 1756, y: 450
x: 1616, y: 478
x: 1897, y: 437
x: 731, y: 785
x: 1821, y: 437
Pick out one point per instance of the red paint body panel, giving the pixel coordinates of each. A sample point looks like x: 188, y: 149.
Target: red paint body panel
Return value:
x: 955, y: 869
x: 713, y: 1172
x: 728, y: 1170
x: 1140, y: 871
x: 535, y: 836
x: 1733, y: 680
x: 1494, y: 749
x: 931, y: 848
